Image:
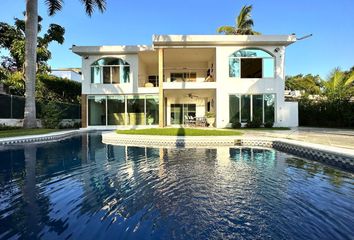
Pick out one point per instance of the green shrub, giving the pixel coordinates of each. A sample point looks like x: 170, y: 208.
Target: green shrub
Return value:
x: 268, y: 124
x: 4, y: 127
x: 254, y: 124
x: 236, y: 125
x: 326, y: 113
x: 51, y: 115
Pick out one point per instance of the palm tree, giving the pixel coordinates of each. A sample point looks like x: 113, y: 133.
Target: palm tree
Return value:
x: 31, y: 31
x: 244, y: 24
x: 339, y: 86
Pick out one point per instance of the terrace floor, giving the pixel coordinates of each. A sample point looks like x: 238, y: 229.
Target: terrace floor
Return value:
x: 327, y: 136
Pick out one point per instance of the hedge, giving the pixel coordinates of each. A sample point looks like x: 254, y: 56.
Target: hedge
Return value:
x: 326, y: 114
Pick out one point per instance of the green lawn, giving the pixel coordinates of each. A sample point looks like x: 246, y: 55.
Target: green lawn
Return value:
x: 265, y: 129
x: 25, y: 132
x: 180, y: 132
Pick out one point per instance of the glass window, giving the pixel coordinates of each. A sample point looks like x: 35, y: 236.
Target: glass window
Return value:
x: 152, y: 110
x: 110, y: 71
x: 251, y: 63
x: 106, y: 75
x: 115, y: 110
x: 189, y: 110
x: 96, y: 110
x: 269, y: 107
x: 136, y: 110
x: 250, y: 52
x: 125, y: 74
x: 234, y: 108
x: 245, y: 108
x: 257, y: 108
x: 234, y: 67
x: 268, y: 67
x: 95, y: 75
x: 176, y: 113
x: 115, y: 75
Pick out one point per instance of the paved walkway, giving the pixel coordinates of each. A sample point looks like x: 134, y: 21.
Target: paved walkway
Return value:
x: 328, y: 136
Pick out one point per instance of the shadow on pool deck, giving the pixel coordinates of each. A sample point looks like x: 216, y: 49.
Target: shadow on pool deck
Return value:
x: 180, y: 142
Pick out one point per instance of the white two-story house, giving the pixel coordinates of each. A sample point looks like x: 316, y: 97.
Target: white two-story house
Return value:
x: 184, y: 77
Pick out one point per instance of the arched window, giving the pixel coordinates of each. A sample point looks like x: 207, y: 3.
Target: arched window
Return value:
x: 110, y: 71
x: 251, y: 63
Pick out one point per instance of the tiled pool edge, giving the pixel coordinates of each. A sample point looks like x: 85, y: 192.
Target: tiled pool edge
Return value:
x: 38, y: 138
x: 335, y: 156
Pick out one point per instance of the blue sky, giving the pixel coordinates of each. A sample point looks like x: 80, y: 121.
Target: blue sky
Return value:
x: 133, y: 22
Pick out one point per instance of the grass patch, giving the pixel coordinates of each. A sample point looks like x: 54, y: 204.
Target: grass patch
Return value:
x: 25, y: 132
x: 263, y: 129
x: 180, y: 132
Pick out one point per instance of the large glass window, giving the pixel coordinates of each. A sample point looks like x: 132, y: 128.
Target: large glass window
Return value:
x: 251, y: 63
x: 152, y: 110
x: 262, y: 105
x: 95, y: 75
x: 234, y: 109
x: 110, y: 71
x: 257, y: 108
x: 115, y: 110
x: 115, y: 75
x: 96, y: 110
x: 106, y: 75
x: 176, y: 113
x: 269, y: 107
x: 245, y: 108
x: 136, y: 110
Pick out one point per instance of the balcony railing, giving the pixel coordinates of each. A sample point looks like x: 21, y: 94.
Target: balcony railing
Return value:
x: 178, y: 75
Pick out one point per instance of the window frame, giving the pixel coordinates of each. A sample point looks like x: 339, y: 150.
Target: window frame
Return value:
x: 120, y: 66
x: 250, y: 57
x: 126, y: 97
x: 239, y: 95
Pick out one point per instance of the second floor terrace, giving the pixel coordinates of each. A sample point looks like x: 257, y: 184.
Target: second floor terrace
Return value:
x: 192, y: 68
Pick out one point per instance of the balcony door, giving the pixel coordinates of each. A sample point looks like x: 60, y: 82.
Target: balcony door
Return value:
x: 179, y: 112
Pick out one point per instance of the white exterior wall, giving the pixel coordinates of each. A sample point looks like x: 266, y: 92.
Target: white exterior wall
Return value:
x: 286, y: 113
x: 227, y: 86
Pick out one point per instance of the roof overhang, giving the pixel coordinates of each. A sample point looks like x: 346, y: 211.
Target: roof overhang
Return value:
x: 160, y: 41
x: 101, y: 50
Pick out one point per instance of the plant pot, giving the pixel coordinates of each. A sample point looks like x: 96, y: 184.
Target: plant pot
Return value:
x: 211, y: 121
x: 150, y: 121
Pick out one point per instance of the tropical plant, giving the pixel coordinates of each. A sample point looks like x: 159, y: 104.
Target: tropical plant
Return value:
x: 310, y: 84
x: 339, y: 86
x: 12, y: 38
x: 244, y: 24
x: 31, y: 31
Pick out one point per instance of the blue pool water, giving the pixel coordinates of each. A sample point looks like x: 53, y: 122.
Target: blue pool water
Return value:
x: 79, y: 188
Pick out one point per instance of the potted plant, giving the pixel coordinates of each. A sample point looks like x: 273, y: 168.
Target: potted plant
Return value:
x: 150, y: 120
x: 210, y: 118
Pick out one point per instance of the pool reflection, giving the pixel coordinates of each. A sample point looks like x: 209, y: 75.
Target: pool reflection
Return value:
x: 81, y: 188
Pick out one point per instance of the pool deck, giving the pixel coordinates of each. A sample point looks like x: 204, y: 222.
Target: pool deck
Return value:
x: 54, y: 136
x: 342, y: 138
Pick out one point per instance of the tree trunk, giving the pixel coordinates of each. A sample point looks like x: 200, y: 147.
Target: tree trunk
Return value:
x: 31, y: 31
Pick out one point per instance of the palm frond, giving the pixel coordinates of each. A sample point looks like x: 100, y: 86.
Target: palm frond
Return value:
x: 350, y: 80
x: 101, y: 5
x: 54, y: 6
x: 246, y: 24
x: 338, y: 78
x: 228, y: 30
x: 245, y: 14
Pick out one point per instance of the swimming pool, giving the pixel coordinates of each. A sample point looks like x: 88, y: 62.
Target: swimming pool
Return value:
x: 80, y: 188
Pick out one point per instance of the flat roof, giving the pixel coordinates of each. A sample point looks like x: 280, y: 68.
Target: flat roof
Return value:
x: 217, y: 40
x: 164, y: 41
x: 92, y: 50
